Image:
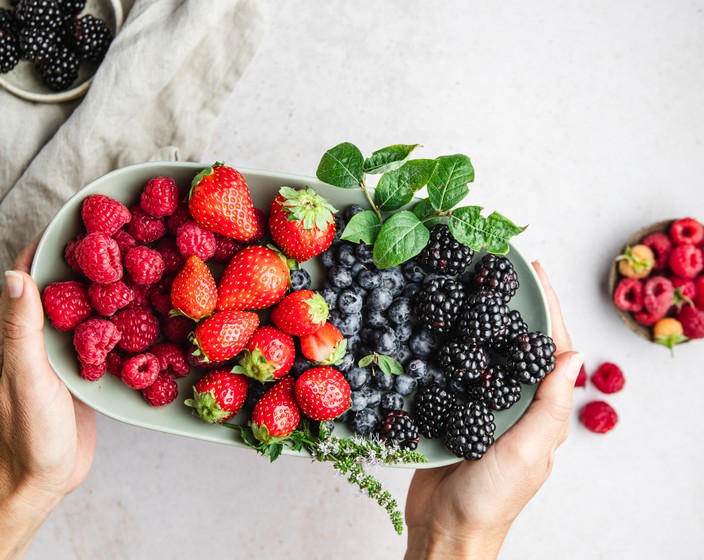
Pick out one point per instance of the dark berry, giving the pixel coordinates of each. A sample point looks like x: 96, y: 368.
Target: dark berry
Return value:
x: 515, y: 326
x: 503, y: 391
x: 469, y: 430
x: 375, y: 319
x: 398, y: 428
x: 358, y: 377
x: 300, y: 364
x: 9, y: 52
x: 340, y: 225
x: 344, y: 254
x: 300, y: 280
x: 443, y: 253
x: 350, y: 302
x: 391, y: 401
x: 255, y: 391
x: 353, y: 342
x: 418, y: 369
x: 531, y: 357
x: 379, y: 299
x: 403, y: 354
x: 410, y: 290
x: 392, y: 279
x: 327, y: 257
x: 347, y: 362
x: 59, y: 70
x: 383, y: 341
x: 357, y: 268
x: 369, y: 279
x: 404, y: 332
x: 71, y: 8
x: 39, y: 13
x: 399, y: 311
x: 348, y: 325
x: 431, y: 406
x: 463, y: 361
x: 358, y: 400
x: 364, y: 422
x: 424, y: 343
x: 484, y: 317
x: 496, y: 273
x: 405, y: 384
x: 438, y: 304
x: 364, y: 253
x: 92, y: 38
x: 340, y: 277
x: 330, y: 296
x: 37, y: 43
x: 8, y: 21
x: 352, y: 211
x: 373, y: 396
x: 413, y: 271
x: 437, y: 375
x: 457, y: 388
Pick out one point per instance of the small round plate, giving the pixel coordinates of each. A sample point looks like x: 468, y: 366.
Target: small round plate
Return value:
x: 23, y: 80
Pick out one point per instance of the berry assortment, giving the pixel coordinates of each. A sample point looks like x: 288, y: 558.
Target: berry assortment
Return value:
x: 54, y: 36
x: 661, y: 282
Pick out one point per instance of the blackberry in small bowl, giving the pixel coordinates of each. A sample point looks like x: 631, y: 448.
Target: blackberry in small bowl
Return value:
x: 515, y: 326
x: 444, y: 254
x: 59, y: 70
x: 91, y: 38
x: 438, y: 303
x: 9, y: 51
x: 496, y: 273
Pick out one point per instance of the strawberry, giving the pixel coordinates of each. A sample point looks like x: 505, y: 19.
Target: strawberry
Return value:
x: 326, y: 346
x: 219, y: 395
x: 301, y: 313
x: 224, y: 335
x: 269, y: 355
x: 322, y: 393
x: 256, y: 278
x: 220, y: 201
x: 276, y: 414
x: 301, y: 222
x: 194, y: 292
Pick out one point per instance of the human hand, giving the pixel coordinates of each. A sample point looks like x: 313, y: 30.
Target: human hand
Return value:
x: 466, y: 509
x: 47, y: 438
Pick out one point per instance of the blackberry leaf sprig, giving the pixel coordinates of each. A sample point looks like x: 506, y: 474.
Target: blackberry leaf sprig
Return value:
x: 405, y: 233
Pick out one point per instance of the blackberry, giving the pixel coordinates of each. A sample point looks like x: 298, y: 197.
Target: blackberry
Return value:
x: 496, y: 273
x: 504, y: 391
x: 515, y: 326
x: 463, y: 361
x: 484, y: 317
x: 531, y: 356
x: 300, y: 280
x: 37, y: 43
x: 60, y: 70
x: 443, y: 253
x: 431, y: 407
x: 438, y: 304
x: 398, y: 428
x: 39, y: 13
x: 91, y: 38
x: 469, y: 430
x: 71, y: 8
x: 9, y: 53
x: 8, y: 21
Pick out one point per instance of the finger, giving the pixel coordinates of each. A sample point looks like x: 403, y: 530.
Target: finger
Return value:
x: 559, y: 331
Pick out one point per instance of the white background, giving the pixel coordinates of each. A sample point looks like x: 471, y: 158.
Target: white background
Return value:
x: 585, y: 121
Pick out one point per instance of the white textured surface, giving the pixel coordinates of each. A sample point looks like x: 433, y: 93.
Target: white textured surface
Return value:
x: 585, y: 121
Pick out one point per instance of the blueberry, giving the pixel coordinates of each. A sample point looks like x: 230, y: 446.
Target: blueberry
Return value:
x: 418, y: 369
x: 336, y: 317
x: 357, y: 268
x: 457, y: 388
x: 344, y: 254
x: 369, y: 279
x: 358, y: 377
x: 362, y: 351
x: 376, y: 319
x: 424, y: 343
x: 405, y: 384
x: 365, y: 334
x: 373, y: 396
x: 379, y: 300
x: 399, y: 311
x: 383, y: 381
x: 364, y: 422
x: 340, y: 225
x: 340, y: 276
x: 392, y: 279
x: 300, y: 364
x: 300, y: 280
x: 347, y: 362
x: 413, y: 271
x: 384, y: 341
x: 437, y: 376
x: 391, y: 401
x: 350, y: 302
x: 329, y: 295
x: 404, y: 332
x: 327, y: 258
x: 350, y: 324
x: 359, y: 400
x: 364, y: 253
x: 403, y: 354
x: 352, y: 343
x: 352, y: 210
x: 361, y: 292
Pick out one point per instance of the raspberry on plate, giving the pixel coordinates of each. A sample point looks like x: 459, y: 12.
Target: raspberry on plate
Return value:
x: 102, y: 214
x: 144, y: 265
x: 661, y: 246
x: 160, y: 197
x: 608, y: 378
x: 686, y: 261
x: 106, y: 299
x: 143, y: 227
x: 598, y: 417
x: 139, y: 329
x: 686, y: 231
x: 92, y: 372
x: 195, y: 240
x: 628, y: 295
x: 177, y: 328
x: 170, y: 254
x: 180, y: 216
x: 66, y: 304
x: 70, y: 253
x: 172, y: 359
x: 99, y: 257
x: 124, y: 241
x: 93, y: 340
x: 162, y: 392
x: 140, y: 371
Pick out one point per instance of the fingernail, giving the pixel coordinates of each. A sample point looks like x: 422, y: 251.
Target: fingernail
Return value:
x: 573, y: 366
x: 14, y: 284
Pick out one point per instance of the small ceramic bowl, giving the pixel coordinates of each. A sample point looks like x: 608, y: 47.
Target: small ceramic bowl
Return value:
x: 23, y: 80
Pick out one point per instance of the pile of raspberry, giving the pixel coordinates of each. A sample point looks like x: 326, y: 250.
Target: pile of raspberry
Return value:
x: 598, y: 416
x: 662, y: 282
x: 120, y: 309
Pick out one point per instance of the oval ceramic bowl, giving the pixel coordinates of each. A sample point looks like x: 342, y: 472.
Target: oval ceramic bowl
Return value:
x: 114, y: 399
x: 24, y: 81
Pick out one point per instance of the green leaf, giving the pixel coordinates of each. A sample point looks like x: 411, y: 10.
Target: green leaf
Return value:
x: 342, y: 166
x: 468, y: 226
x: 388, y: 365
x: 273, y: 451
x: 401, y: 237
x: 448, y: 184
x: 389, y: 158
x: 363, y: 227
x: 424, y: 210
x: 364, y: 362
x: 396, y: 188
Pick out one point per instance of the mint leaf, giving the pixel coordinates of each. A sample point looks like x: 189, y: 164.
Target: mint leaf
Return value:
x: 388, y: 365
x: 448, y: 184
x: 468, y: 226
x: 424, y: 210
x: 396, y: 188
x: 401, y: 237
x: 364, y: 227
x: 389, y: 158
x: 364, y: 362
x: 342, y: 166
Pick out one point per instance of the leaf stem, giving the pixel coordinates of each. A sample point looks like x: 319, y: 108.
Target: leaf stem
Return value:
x: 371, y: 202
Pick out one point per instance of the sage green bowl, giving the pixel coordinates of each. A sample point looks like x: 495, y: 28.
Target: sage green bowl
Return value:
x: 114, y: 399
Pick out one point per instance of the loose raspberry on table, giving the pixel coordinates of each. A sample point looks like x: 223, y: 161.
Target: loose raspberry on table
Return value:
x: 160, y: 197
x: 629, y: 295
x: 170, y: 254
x: 176, y: 329
x: 162, y: 392
x: 692, y: 320
x: 172, y: 359
x: 598, y: 417
x: 139, y: 329
x: 92, y: 372
x: 686, y: 261
x: 66, y: 304
x: 144, y: 265
x: 225, y: 248
x: 140, y: 371
x: 581, y: 377
x: 658, y: 294
x: 687, y: 231
x: 70, y: 253
x: 608, y: 378
x: 115, y: 360
x: 124, y: 241
x: 106, y: 299
x: 93, y: 340
x: 99, y: 258
x: 194, y: 240
x: 698, y: 298
x: 661, y: 246
x: 143, y: 227
x: 102, y: 214
x: 180, y: 216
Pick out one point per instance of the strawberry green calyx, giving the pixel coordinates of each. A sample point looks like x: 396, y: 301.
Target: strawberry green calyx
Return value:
x: 291, y: 264
x: 255, y: 365
x: 198, y: 351
x: 206, y: 407
x: 261, y: 433
x: 318, y: 309
x: 679, y: 300
x: 204, y: 173
x: 336, y: 356
x: 308, y: 207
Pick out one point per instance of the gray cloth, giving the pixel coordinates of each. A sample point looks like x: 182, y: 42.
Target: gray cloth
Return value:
x: 156, y: 96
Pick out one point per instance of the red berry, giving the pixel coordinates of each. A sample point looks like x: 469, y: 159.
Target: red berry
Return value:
x: 66, y: 304
x: 196, y: 358
x: 99, y: 258
x: 225, y: 248
x: 170, y: 254
x: 598, y: 417
x: 629, y: 295
x: 145, y: 265
x: 172, y: 359
x: 162, y: 392
x: 70, y: 253
x: 301, y: 313
x: 686, y: 261
x: 160, y: 298
x: 646, y: 318
x: 269, y: 355
x: 194, y: 240
x: 322, y: 393
x: 661, y: 246
x: 581, y: 377
x: 115, y: 360
x: 194, y: 292
x: 180, y: 216
x: 692, y: 320
x: 124, y: 241
x: 276, y: 414
x: 224, y: 334
x: 260, y: 228
x: 143, y: 227
x: 93, y: 340
x: 160, y: 197
x: 658, y: 294
x: 106, y: 299
x: 92, y: 372
x: 698, y: 298
x: 608, y: 378
x: 140, y: 371
x: 140, y: 294
x: 102, y: 214
x: 139, y: 329
x: 686, y: 231
x: 177, y: 328
x: 219, y: 395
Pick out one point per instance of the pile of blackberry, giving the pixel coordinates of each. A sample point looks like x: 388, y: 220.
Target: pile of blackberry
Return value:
x: 465, y: 353
x: 51, y: 35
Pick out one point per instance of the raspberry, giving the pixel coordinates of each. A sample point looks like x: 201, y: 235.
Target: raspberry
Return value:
x: 261, y: 226
x: 698, y: 298
x: 102, y: 214
x: 115, y: 360
x: 106, y: 299
x: 124, y: 241
x: 161, y: 392
x: 581, y: 377
x: 608, y: 378
x: 160, y: 298
x: 194, y: 240
x: 66, y: 304
x: 225, y: 248
x: 93, y: 340
x: 685, y: 289
x: 92, y: 372
x: 145, y: 265
x: 658, y: 294
x: 173, y: 260
x: 692, y: 320
x: 629, y: 295
x: 686, y: 261
x: 176, y: 329
x: 140, y: 371
x: 199, y: 360
x: 172, y: 359
x: 70, y: 253
x: 646, y: 318
x: 140, y: 294
x: 159, y: 197
x: 99, y: 258
x: 144, y: 227
x: 661, y: 246
x: 139, y: 329
x: 686, y: 231
x: 180, y: 216
x: 598, y: 417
